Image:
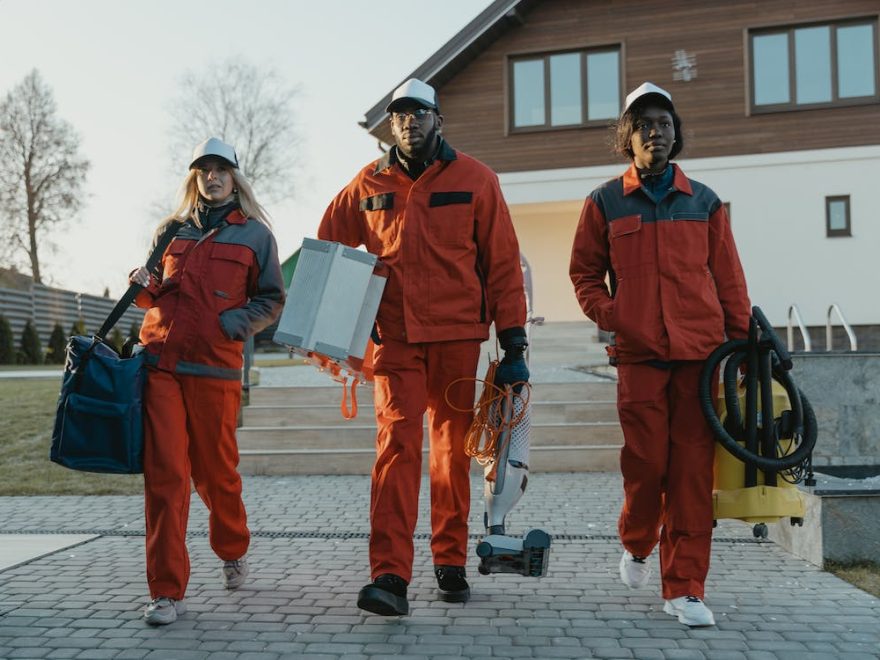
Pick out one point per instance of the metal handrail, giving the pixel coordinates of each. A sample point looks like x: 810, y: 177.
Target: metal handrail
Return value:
x: 853, y: 342
x: 808, y: 345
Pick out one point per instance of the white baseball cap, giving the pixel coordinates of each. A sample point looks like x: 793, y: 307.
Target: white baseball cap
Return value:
x: 217, y: 148
x: 414, y: 90
x: 647, y: 89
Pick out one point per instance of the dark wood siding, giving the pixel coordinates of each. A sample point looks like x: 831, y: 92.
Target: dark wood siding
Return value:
x: 714, y: 106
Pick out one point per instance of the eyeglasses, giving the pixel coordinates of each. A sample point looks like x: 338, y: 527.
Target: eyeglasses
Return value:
x: 418, y: 115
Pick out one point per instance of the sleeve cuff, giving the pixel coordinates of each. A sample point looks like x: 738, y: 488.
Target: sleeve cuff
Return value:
x: 512, y: 336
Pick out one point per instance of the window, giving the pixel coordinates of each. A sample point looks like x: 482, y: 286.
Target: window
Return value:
x: 814, y: 65
x: 837, y: 216
x: 558, y: 90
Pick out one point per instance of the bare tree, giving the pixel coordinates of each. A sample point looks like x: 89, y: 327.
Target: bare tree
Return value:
x: 42, y: 174
x: 249, y: 107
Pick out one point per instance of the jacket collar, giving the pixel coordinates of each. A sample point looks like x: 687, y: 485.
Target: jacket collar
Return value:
x: 236, y: 217
x: 444, y: 152
x: 631, y: 181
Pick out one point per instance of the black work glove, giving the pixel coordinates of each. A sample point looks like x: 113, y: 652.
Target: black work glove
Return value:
x: 513, y: 368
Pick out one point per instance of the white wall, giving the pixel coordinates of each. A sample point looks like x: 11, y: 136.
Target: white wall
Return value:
x: 778, y: 217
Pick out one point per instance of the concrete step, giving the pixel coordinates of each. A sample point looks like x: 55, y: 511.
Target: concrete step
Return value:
x: 329, y: 414
x: 363, y: 436
x: 575, y: 428
x: 284, y: 396
x: 600, y: 458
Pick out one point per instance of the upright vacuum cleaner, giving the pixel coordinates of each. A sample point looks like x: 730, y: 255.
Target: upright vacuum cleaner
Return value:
x: 761, y: 456
x: 506, y: 472
x: 499, y: 439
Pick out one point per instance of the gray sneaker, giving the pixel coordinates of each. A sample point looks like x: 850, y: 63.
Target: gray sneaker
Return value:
x: 161, y: 611
x: 234, y: 572
x: 634, y: 572
x: 690, y: 610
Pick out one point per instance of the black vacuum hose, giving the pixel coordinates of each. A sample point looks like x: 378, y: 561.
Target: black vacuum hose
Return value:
x: 738, y: 351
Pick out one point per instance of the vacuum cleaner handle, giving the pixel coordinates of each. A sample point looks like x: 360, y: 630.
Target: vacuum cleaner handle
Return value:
x: 778, y: 346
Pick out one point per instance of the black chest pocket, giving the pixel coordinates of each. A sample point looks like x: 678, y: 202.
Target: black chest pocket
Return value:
x: 379, y: 218
x: 451, y: 217
x: 380, y: 202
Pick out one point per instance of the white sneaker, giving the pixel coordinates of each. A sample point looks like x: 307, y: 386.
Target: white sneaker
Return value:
x: 690, y: 610
x: 234, y: 572
x: 634, y: 571
x: 162, y: 611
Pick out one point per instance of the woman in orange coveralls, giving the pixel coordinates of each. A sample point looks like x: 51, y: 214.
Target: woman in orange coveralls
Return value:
x: 677, y: 288
x: 218, y: 283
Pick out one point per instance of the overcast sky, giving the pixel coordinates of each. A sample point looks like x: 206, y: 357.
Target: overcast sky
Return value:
x: 114, y: 67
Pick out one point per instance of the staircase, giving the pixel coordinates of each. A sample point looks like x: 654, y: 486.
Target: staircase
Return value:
x: 295, y: 429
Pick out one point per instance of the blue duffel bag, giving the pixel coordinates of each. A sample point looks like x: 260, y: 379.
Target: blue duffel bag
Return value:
x: 99, y: 419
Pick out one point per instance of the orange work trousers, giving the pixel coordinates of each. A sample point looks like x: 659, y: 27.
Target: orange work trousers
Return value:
x: 189, y: 432
x: 411, y: 379
x: 667, y: 463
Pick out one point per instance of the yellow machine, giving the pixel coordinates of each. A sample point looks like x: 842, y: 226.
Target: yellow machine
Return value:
x: 761, y: 503
x: 759, y: 458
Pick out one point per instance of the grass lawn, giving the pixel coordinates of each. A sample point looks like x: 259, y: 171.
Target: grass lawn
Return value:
x: 864, y: 574
x: 34, y: 367
x: 25, y: 469
x: 281, y: 362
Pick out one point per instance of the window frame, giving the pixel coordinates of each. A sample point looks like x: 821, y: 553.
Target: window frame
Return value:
x: 789, y: 29
x: 847, y: 230
x: 544, y: 56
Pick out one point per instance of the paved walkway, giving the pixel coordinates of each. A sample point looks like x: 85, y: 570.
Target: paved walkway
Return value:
x: 309, y: 558
x: 78, y: 589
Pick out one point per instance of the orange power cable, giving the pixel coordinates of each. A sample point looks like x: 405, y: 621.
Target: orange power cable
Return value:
x: 481, y: 440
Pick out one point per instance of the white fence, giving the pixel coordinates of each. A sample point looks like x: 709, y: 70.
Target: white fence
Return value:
x: 45, y: 307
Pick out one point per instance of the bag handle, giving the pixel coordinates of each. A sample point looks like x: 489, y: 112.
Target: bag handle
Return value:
x: 127, y: 298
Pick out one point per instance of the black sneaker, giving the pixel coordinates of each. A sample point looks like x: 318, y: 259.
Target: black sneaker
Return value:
x: 452, y: 586
x: 386, y: 595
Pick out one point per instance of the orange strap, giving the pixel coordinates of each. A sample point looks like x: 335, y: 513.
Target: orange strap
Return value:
x: 343, y: 407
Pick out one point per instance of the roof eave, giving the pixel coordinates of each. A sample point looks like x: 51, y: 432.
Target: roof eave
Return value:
x: 458, y: 52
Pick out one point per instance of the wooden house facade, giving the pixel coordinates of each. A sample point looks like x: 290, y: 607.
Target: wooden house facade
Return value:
x: 780, y: 102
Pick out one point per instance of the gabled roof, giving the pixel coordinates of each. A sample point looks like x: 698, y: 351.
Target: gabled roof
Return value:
x: 458, y: 52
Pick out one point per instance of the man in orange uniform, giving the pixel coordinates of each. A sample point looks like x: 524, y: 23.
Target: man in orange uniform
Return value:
x: 437, y: 219
x: 677, y: 288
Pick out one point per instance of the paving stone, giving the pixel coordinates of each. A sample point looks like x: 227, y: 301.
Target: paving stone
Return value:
x: 98, y: 654
x: 25, y: 653
x: 133, y: 654
x: 612, y: 653
x: 300, y: 600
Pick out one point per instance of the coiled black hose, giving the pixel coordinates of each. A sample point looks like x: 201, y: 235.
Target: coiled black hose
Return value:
x: 767, y: 360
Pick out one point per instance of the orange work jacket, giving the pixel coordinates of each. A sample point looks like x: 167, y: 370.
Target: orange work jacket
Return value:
x: 447, y: 239
x: 677, y: 282
x: 213, y: 291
